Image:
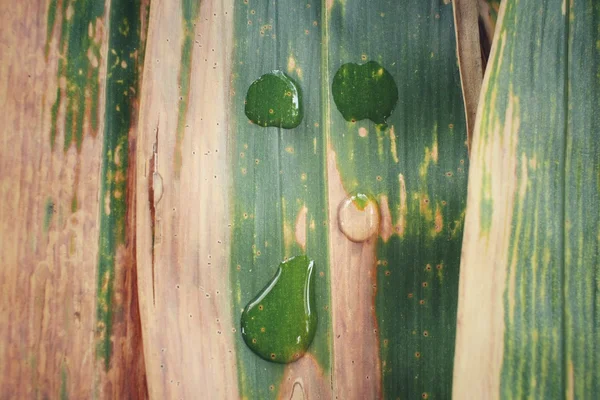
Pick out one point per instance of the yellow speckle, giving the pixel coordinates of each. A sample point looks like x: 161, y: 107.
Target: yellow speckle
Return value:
x: 439, y: 220
x: 533, y: 163
x: 289, y: 149
x: 291, y: 65
x: 107, y: 204
x: 303, y: 176
x: 306, y: 32
x: 123, y: 64
x: 363, y: 57
x: 393, y: 148
x: 315, y: 23
x: 119, y: 177
x: 244, y: 171
x: 252, y: 12
x: 249, y: 22
x: 380, y: 72
x: 382, y: 15
x: 271, y: 111
x: 118, y: 108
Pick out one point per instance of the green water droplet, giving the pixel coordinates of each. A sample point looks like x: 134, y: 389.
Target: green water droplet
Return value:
x: 365, y: 91
x: 274, y: 99
x: 280, y: 322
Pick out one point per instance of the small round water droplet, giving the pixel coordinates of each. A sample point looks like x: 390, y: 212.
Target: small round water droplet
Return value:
x: 274, y: 100
x: 358, y: 217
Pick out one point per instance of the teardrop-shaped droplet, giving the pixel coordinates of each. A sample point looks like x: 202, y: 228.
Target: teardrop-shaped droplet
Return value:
x: 280, y: 322
x: 358, y: 217
x: 274, y: 99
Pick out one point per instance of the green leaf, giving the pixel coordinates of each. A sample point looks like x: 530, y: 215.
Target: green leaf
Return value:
x: 532, y: 250
x: 416, y: 169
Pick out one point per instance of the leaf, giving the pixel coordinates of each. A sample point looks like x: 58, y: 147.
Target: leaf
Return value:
x: 528, y: 310
x: 386, y: 306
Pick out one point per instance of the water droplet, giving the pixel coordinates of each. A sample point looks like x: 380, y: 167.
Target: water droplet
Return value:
x: 365, y: 91
x: 279, y: 324
x: 274, y: 100
x: 157, y: 185
x: 358, y: 217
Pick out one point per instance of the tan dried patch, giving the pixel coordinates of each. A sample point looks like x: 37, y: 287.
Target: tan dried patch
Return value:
x: 304, y: 379
x: 570, y: 381
x: 291, y: 65
x: 393, y: 148
x: 439, y: 220
x: 425, y: 164
x: 301, y: 227
x: 385, y: 230
x: 402, y: 208
x: 107, y: 203
x: 434, y: 148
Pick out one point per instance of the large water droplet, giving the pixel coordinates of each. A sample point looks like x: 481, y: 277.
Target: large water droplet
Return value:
x: 358, y: 217
x: 274, y: 99
x: 364, y: 91
x: 280, y: 322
